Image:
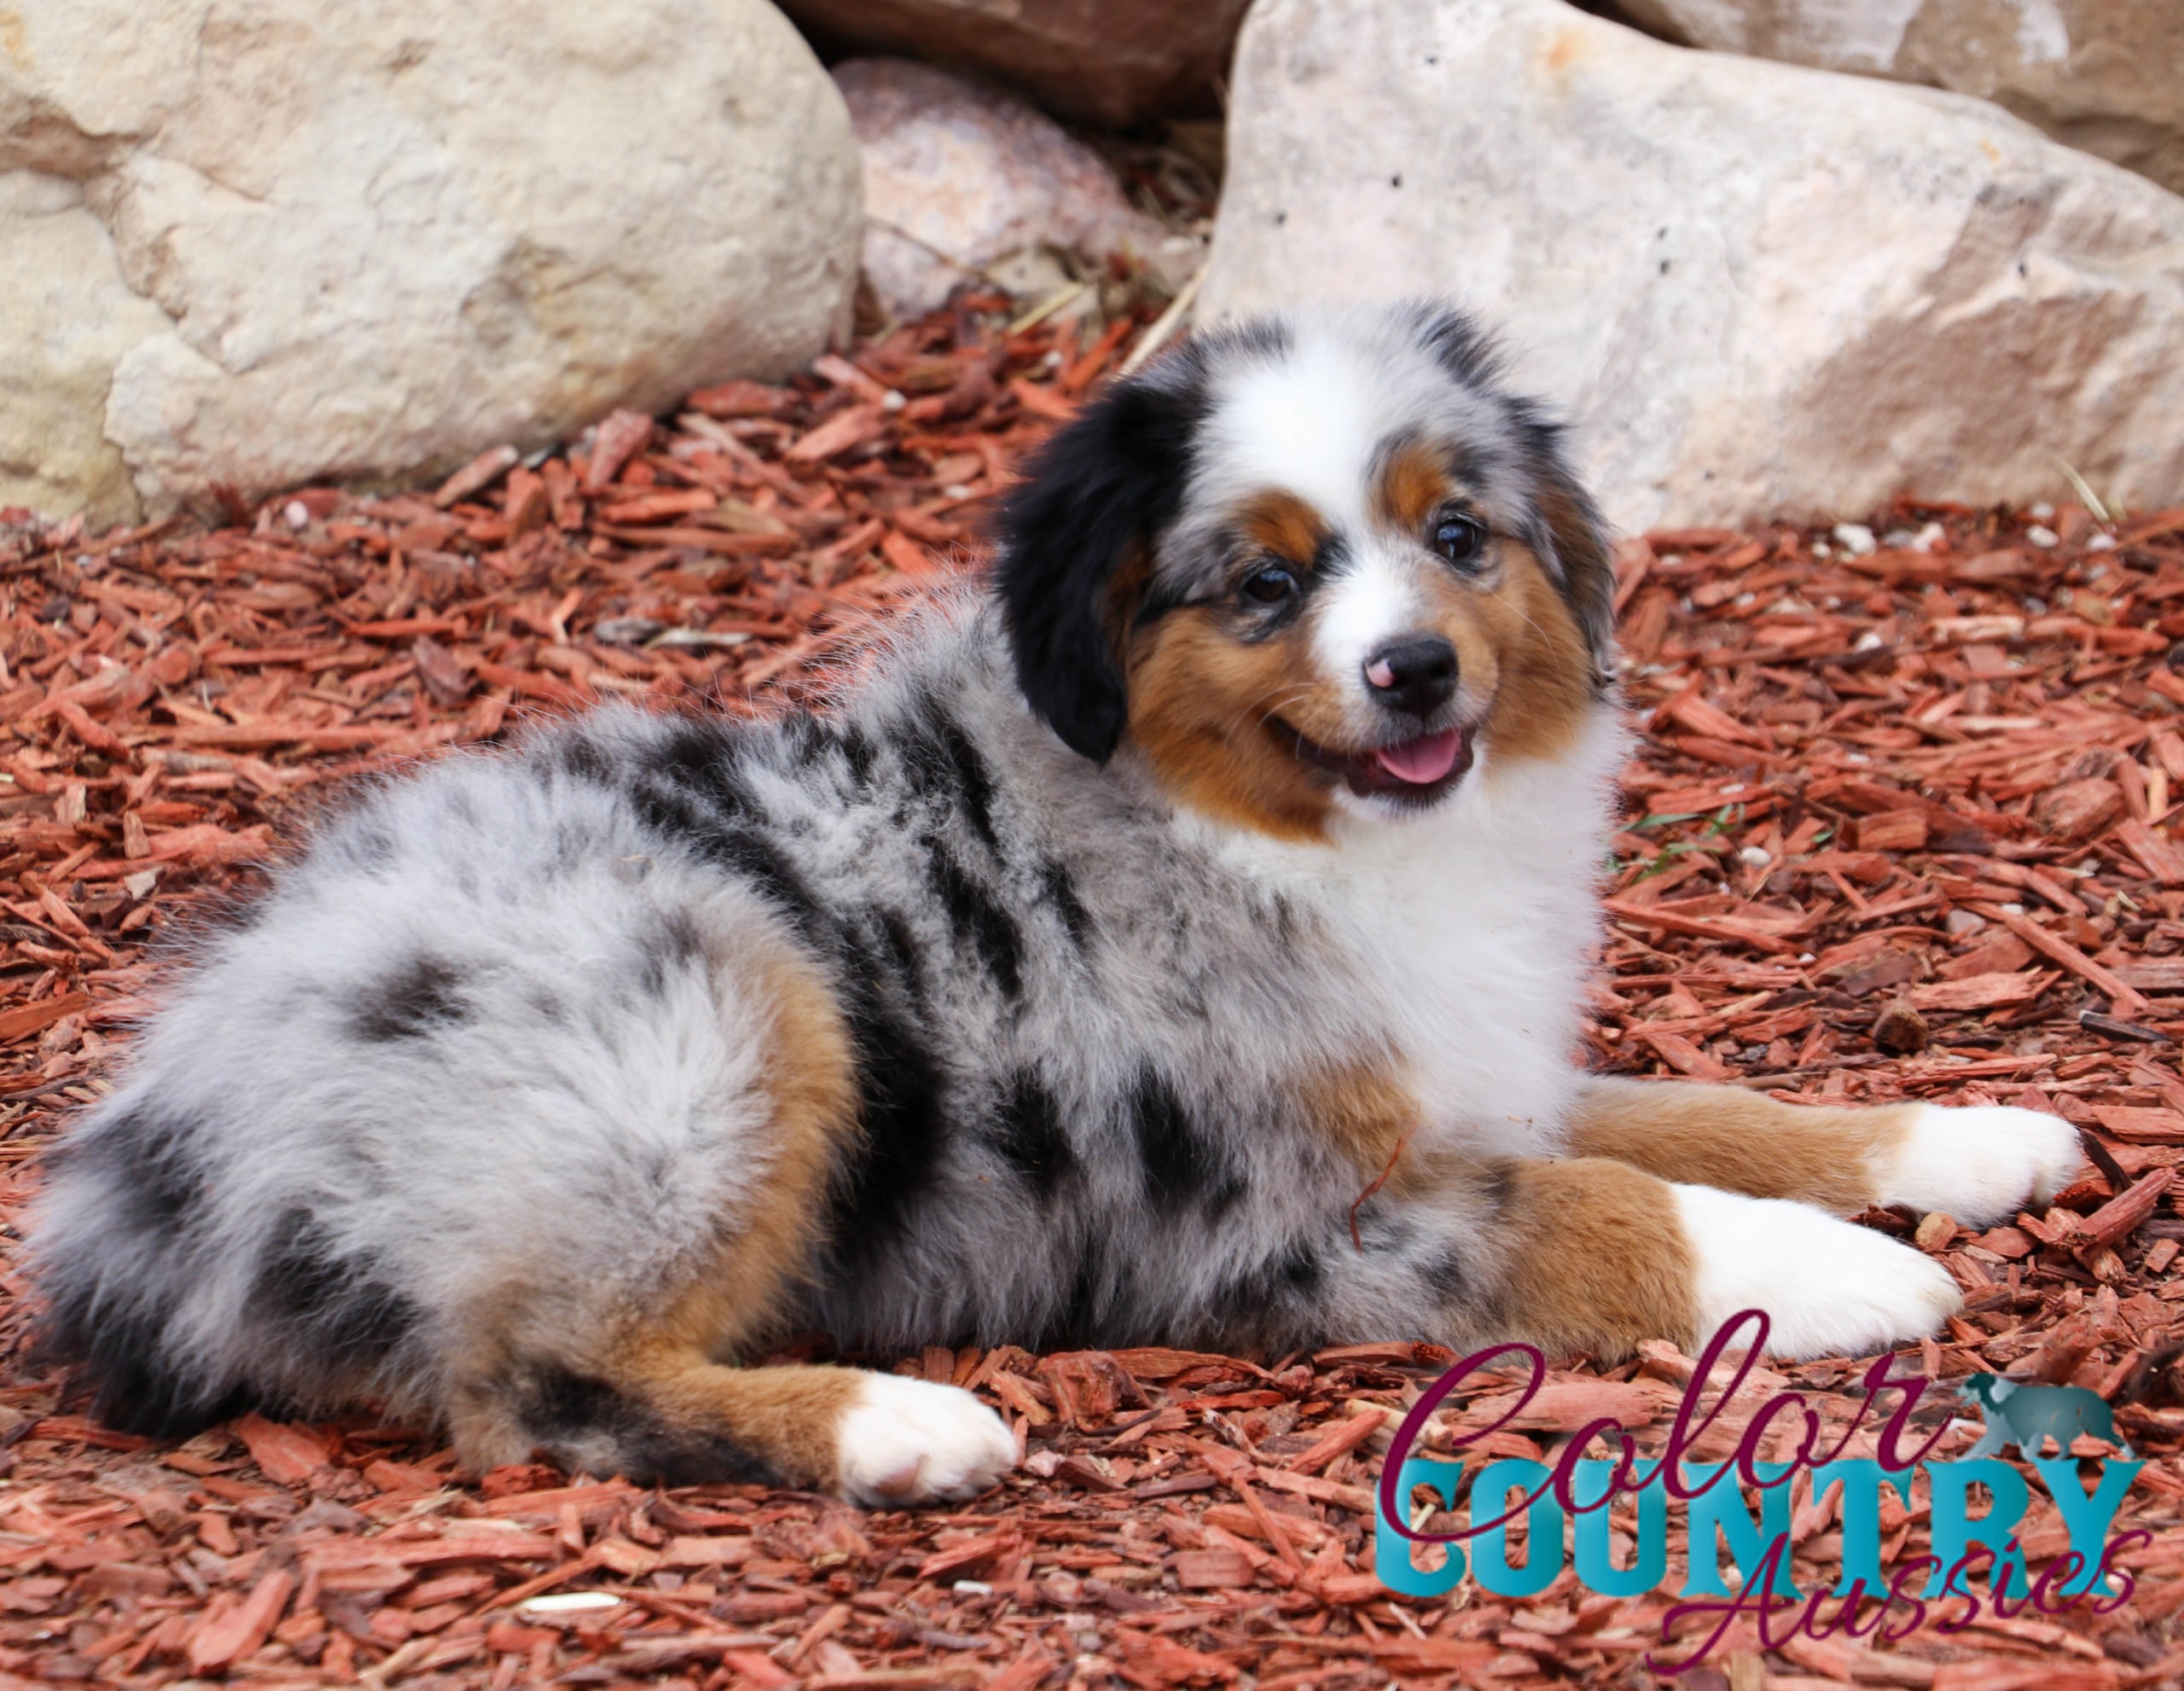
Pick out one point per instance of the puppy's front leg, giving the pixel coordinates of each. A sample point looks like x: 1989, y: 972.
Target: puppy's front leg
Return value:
x: 1979, y: 1164
x: 1587, y: 1253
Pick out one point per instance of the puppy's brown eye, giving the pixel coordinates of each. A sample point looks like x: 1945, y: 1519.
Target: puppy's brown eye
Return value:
x: 1460, y: 539
x: 1268, y: 586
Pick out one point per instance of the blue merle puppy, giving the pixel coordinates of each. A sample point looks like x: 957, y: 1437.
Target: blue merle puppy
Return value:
x: 1066, y: 980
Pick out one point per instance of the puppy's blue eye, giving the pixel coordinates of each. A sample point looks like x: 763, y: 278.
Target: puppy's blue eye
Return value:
x: 1460, y: 539
x: 1268, y: 586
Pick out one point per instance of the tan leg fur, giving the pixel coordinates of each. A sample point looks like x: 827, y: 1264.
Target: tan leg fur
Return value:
x: 1725, y: 1137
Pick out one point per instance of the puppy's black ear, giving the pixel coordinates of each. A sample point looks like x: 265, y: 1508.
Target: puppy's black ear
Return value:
x: 1576, y: 542
x: 1095, y: 495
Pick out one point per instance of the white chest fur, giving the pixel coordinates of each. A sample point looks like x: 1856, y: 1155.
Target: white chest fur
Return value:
x: 1467, y: 935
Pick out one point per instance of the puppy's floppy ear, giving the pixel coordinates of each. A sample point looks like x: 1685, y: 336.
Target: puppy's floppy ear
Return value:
x: 1575, y: 539
x: 1096, y: 494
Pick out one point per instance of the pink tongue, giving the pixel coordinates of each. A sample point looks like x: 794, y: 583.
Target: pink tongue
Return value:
x: 1422, y: 761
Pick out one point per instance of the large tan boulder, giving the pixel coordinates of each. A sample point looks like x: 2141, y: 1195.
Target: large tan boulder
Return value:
x: 2104, y: 75
x: 258, y: 242
x: 1113, y: 62
x: 1756, y: 288
x: 961, y: 180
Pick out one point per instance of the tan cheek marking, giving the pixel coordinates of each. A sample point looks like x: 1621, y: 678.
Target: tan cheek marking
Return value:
x: 1597, y: 1259
x: 1199, y: 701
x: 1412, y: 485
x: 1719, y: 1136
x: 1543, y: 689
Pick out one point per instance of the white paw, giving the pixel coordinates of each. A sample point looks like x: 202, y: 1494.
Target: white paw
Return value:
x: 908, y: 1441
x: 1981, y: 1163
x: 1830, y: 1287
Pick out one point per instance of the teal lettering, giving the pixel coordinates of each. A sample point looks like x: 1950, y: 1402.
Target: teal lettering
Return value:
x: 1861, y: 1481
x: 1391, y: 1563
x: 2087, y: 1516
x: 1489, y: 1556
x: 1954, y: 1531
x: 1596, y: 1567
x: 1718, y: 1512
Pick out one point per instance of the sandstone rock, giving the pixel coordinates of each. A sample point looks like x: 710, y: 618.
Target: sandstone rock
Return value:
x: 262, y: 241
x: 1755, y: 288
x: 66, y: 320
x: 2104, y: 75
x: 959, y: 178
x: 1114, y: 62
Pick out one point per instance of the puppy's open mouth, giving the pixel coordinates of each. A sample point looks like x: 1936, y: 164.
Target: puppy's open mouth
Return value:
x: 1421, y: 770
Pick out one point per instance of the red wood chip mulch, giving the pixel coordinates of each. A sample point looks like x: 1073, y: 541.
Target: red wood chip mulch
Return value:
x: 1899, y: 827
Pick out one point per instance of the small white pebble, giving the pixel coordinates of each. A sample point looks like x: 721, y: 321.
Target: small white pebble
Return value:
x: 1928, y: 538
x: 297, y: 514
x: 2041, y: 511
x: 1821, y: 549
x: 955, y: 490
x: 2035, y: 606
x: 1807, y: 957
x: 2041, y: 537
x: 2101, y: 543
x: 1897, y: 537
x: 569, y: 1603
x: 1753, y: 856
x: 1854, y: 537
x: 893, y: 401
x: 2013, y: 909
x: 973, y: 1587
x: 1870, y: 641
x: 1744, y: 599
x: 1961, y: 924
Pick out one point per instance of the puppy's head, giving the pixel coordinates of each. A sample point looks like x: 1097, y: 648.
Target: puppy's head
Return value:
x: 1312, y: 563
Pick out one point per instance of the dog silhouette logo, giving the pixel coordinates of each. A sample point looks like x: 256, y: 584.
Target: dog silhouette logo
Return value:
x: 2027, y: 1416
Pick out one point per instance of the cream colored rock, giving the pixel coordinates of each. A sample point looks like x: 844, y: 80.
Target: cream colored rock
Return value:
x: 958, y: 179
x: 2104, y: 75
x: 67, y: 318
x: 1756, y: 288
x: 367, y: 241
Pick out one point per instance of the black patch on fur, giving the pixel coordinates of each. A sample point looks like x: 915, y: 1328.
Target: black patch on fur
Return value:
x: 412, y: 1002
x: 134, y: 1387
x: 562, y: 1409
x: 902, y: 1095
x: 339, y: 1309
x: 973, y: 780
x: 1100, y: 489
x: 1061, y: 893
x: 147, y: 1160
x: 857, y: 751
x: 1448, y: 1276
x: 1180, y: 1166
x: 671, y: 944
x: 1029, y: 1131
x: 1274, y: 1297
x: 979, y: 920
x: 689, y: 788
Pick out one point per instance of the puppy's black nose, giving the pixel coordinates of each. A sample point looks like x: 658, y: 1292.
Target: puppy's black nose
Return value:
x: 1416, y: 673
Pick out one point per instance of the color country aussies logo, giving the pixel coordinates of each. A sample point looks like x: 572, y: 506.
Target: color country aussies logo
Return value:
x: 1744, y: 1506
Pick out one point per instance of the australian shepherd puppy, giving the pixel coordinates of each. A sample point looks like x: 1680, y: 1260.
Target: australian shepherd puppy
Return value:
x: 1067, y: 981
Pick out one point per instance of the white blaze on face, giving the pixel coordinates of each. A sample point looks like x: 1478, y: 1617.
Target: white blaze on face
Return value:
x: 1371, y: 602
x: 1309, y: 423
